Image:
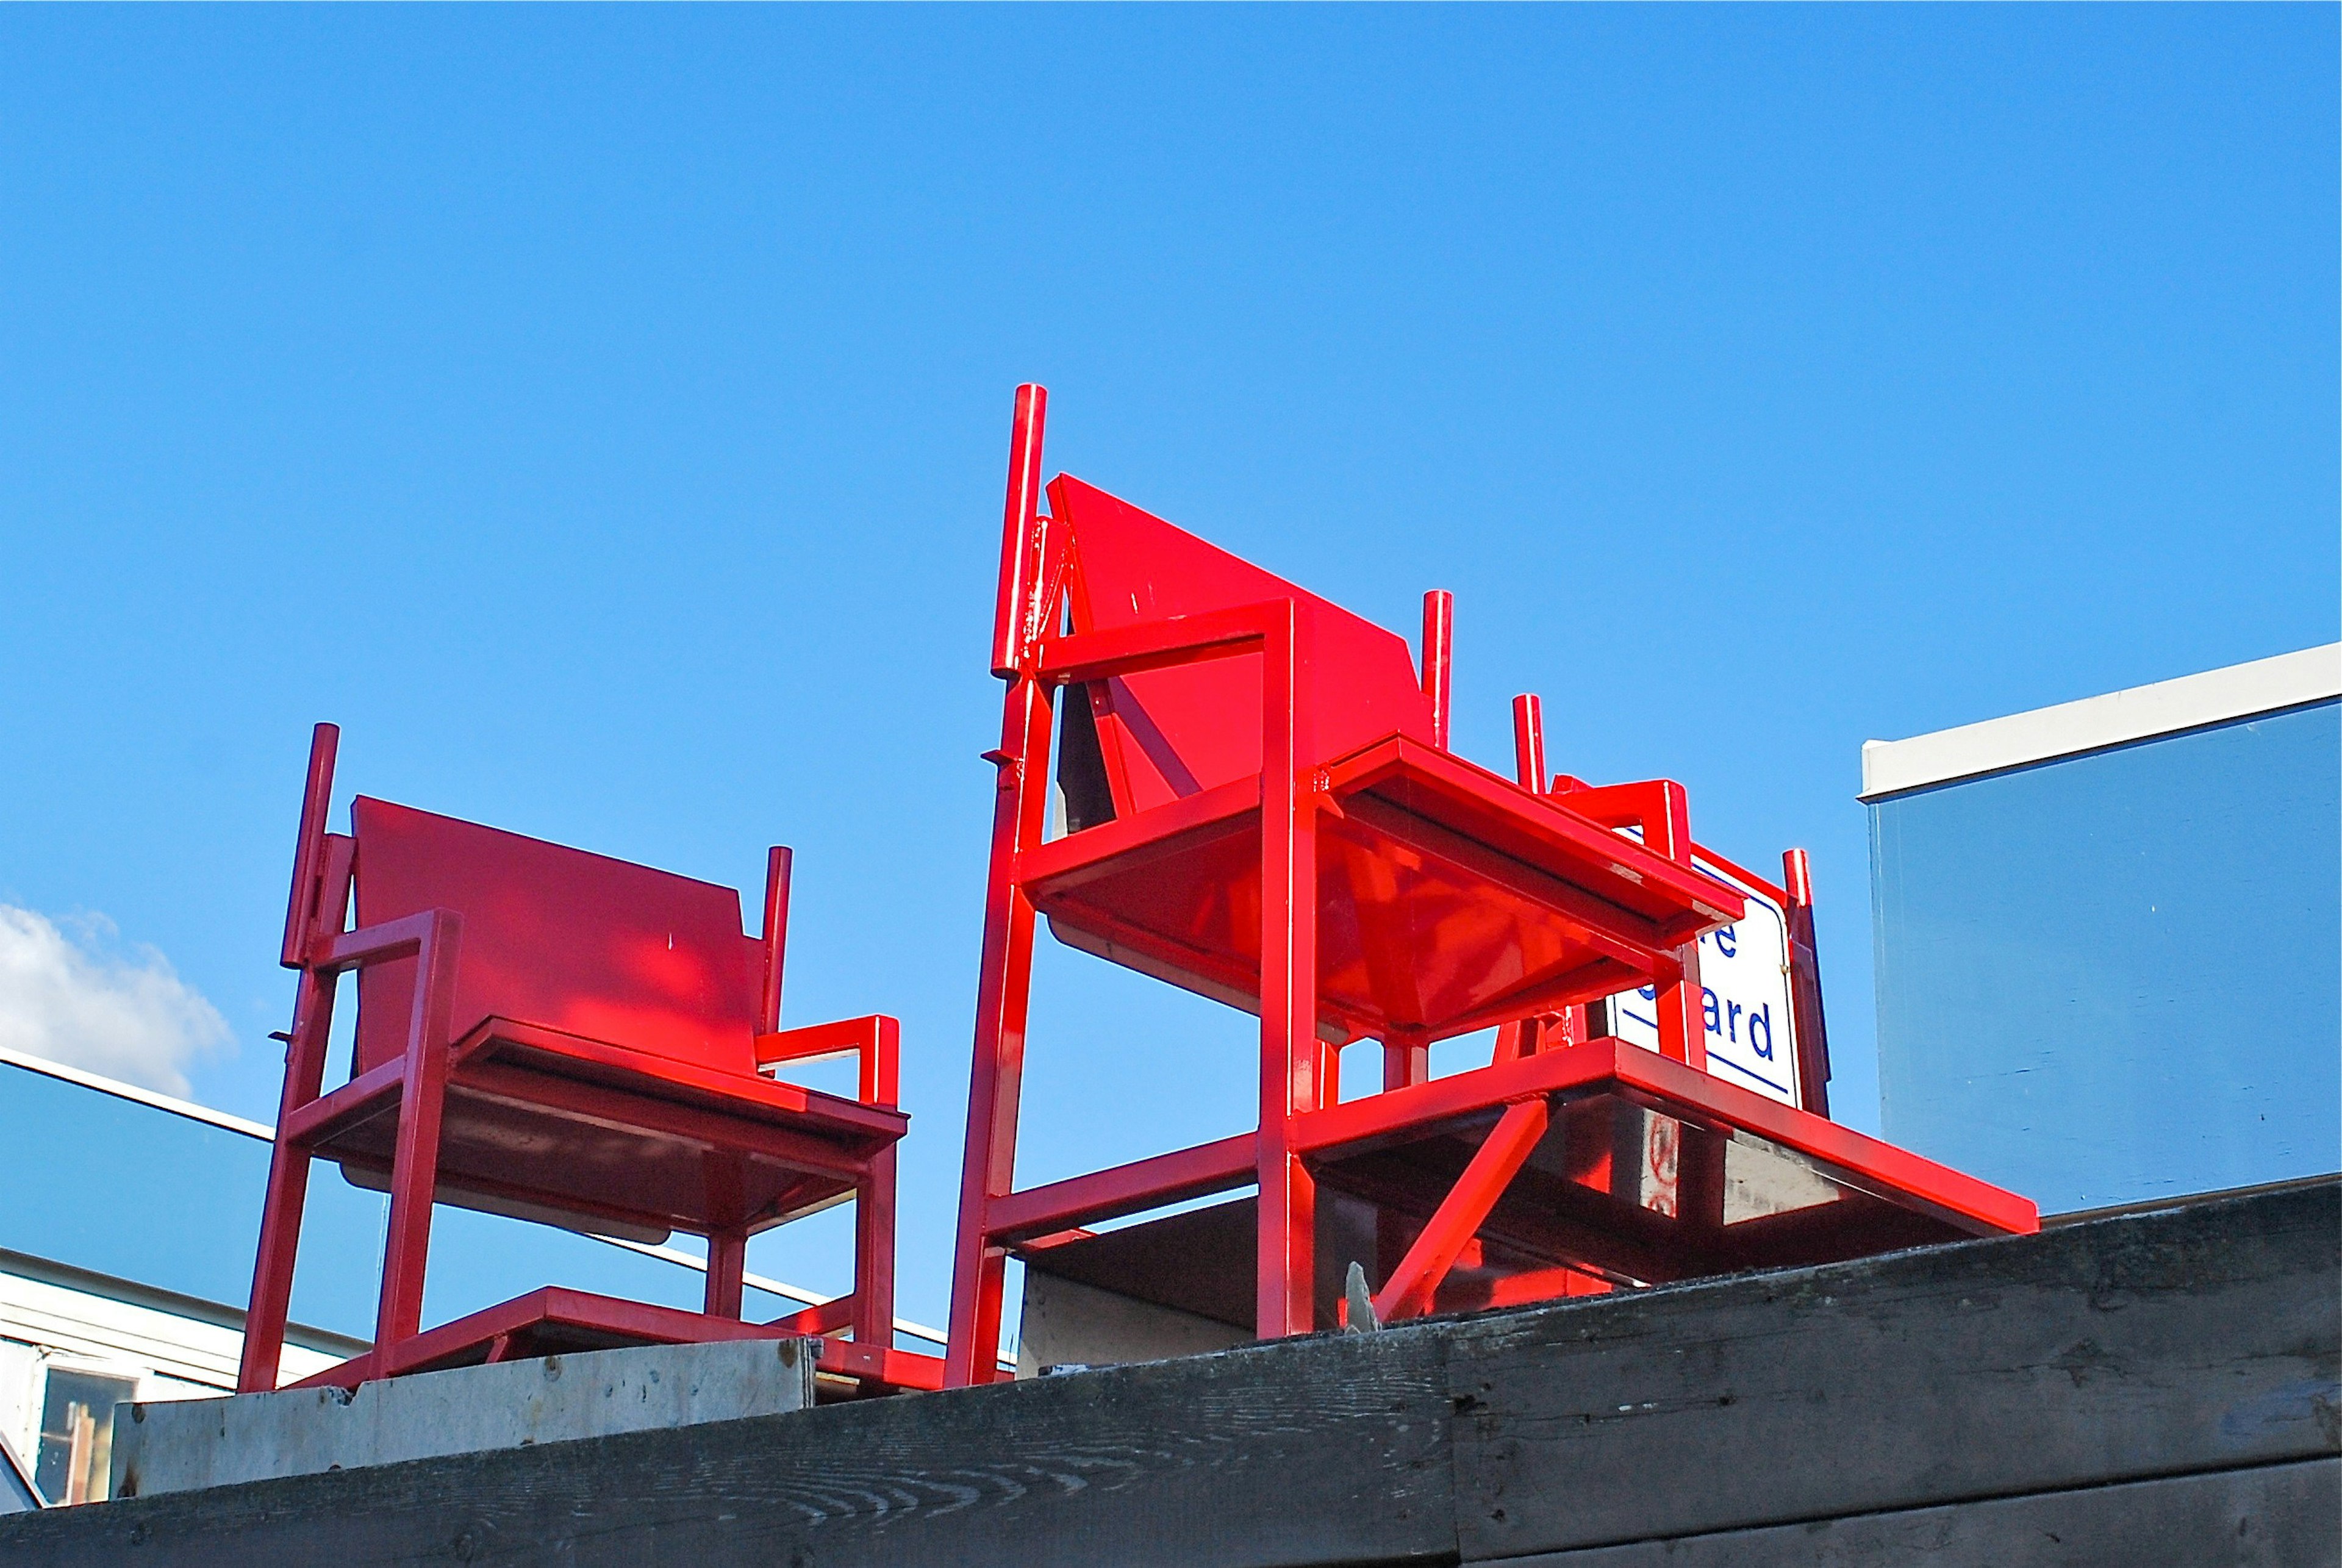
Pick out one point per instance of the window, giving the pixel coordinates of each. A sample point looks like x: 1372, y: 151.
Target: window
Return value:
x: 76, y: 1452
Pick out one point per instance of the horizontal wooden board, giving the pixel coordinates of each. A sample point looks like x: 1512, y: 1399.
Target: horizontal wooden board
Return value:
x: 2266, y: 1516
x: 2200, y: 1340
x: 2203, y: 1337
x: 1331, y: 1450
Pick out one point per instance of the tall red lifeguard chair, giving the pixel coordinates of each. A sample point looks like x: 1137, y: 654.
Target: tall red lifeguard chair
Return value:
x: 1261, y: 807
x: 556, y: 1035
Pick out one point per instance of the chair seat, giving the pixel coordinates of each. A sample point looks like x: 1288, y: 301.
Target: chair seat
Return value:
x: 554, y: 1126
x: 1448, y: 897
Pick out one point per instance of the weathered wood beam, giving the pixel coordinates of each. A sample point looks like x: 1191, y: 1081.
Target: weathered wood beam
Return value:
x: 2198, y: 1338
x: 1977, y: 1391
x: 2265, y: 1516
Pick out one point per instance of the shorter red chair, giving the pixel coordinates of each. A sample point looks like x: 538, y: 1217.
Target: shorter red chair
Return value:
x: 558, y: 1036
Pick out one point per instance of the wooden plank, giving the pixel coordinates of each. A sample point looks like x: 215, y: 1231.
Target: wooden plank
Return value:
x: 2196, y: 1339
x: 2201, y: 1337
x: 2267, y: 1516
x: 1332, y: 1450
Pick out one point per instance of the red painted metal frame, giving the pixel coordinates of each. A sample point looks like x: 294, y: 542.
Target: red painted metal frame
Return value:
x: 1408, y: 1290
x: 1541, y: 1053
x: 1793, y: 893
x: 495, y: 1334
x: 839, y: 1144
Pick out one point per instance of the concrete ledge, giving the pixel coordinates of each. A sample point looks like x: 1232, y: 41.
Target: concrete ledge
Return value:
x: 189, y: 1445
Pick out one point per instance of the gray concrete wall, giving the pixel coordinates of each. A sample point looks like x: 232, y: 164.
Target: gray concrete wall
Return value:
x: 193, y: 1443
x: 1066, y: 1323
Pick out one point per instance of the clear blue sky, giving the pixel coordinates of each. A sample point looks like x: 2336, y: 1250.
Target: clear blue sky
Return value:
x: 601, y: 413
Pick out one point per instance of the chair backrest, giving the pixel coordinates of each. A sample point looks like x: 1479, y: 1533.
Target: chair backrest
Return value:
x: 559, y: 938
x: 1166, y: 734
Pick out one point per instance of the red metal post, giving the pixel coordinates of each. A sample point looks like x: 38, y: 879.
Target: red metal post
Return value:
x: 873, y: 1321
x: 1528, y: 743
x: 1682, y: 1008
x: 304, y: 1071
x: 1411, y: 1286
x: 415, y: 1163
x: 1003, y: 1004
x: 316, y: 798
x: 288, y: 1193
x: 1438, y: 658
x: 777, y: 861
x: 1682, y: 1011
x: 882, y: 1069
x: 727, y: 1260
x: 1805, y: 983
x: 1015, y: 613
x: 1004, y: 985
x: 1407, y: 1058
x: 1287, y: 1303
x: 1522, y: 1038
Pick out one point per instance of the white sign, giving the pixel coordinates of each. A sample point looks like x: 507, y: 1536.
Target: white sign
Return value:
x: 1743, y: 976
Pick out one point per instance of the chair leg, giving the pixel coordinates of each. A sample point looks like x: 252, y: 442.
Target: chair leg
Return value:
x: 272, y: 1278
x: 288, y: 1194
x: 1285, y: 1297
x: 727, y: 1260
x: 1683, y: 1013
x: 1004, y: 993
x: 1406, y: 1059
x: 987, y: 1169
x: 874, y: 1255
x: 414, y: 1166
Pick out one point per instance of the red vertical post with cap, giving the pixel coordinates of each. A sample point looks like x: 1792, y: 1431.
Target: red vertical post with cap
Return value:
x: 1004, y: 986
x: 1682, y: 1009
x: 1406, y: 1053
x: 1528, y: 743
x: 1287, y: 1301
x: 1805, y: 983
x: 1527, y: 1036
x: 317, y: 872
x: 1439, y: 659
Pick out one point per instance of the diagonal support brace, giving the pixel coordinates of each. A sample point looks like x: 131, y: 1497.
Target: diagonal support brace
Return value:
x: 1409, y: 1292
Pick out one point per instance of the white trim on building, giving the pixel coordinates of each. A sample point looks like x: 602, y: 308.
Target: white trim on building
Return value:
x: 122, y: 1091
x: 107, y: 1332
x: 2093, y: 724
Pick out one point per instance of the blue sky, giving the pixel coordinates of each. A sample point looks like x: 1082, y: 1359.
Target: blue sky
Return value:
x: 601, y: 414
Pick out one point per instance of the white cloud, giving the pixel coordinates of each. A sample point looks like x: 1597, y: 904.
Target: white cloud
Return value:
x: 65, y: 998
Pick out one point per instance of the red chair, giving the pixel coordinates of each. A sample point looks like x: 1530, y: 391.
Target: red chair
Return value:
x: 1261, y: 807
x: 1790, y: 901
x: 554, y: 1035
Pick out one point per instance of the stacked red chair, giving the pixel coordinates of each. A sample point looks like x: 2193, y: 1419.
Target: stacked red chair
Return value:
x: 1261, y: 807
x: 556, y: 1035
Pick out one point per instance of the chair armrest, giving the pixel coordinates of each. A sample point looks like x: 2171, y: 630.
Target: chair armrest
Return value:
x: 1656, y: 807
x: 1162, y: 645
x: 393, y: 939
x: 877, y: 1040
